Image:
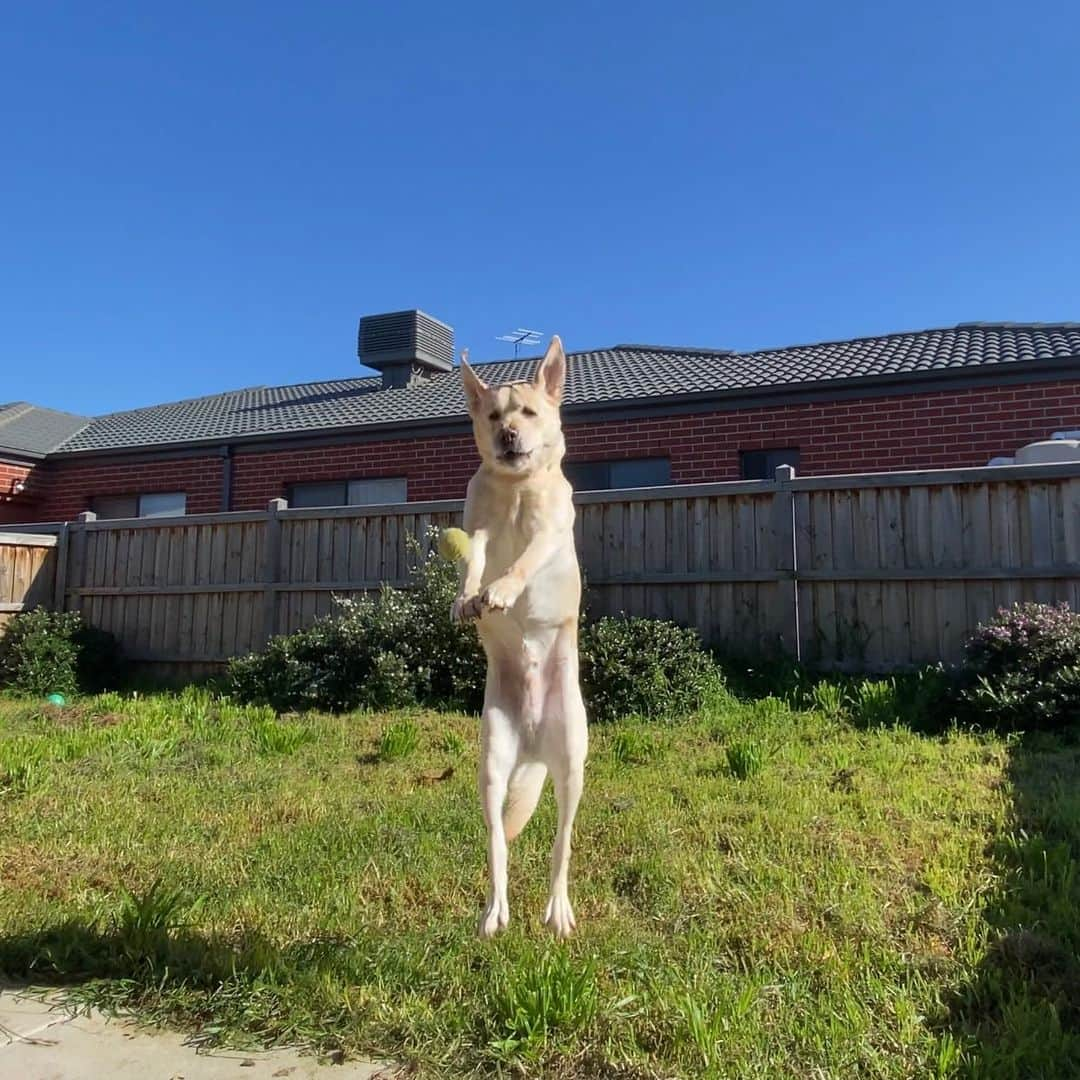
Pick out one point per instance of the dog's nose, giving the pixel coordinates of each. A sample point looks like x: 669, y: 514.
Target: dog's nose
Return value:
x: 508, y: 438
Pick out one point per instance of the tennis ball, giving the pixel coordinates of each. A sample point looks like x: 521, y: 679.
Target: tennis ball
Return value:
x: 56, y: 699
x: 454, y: 545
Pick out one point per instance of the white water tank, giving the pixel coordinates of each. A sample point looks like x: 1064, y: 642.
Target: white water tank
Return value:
x: 1048, y: 450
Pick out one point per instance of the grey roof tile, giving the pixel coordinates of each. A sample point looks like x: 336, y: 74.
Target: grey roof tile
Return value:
x: 599, y: 377
x: 29, y: 431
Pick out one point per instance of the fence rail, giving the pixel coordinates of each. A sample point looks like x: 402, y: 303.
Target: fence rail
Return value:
x: 868, y: 571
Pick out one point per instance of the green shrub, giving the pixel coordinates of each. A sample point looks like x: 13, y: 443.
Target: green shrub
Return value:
x: 394, y: 650
x: 400, y: 649
x: 1022, y: 669
x: 44, y: 652
x: 644, y: 667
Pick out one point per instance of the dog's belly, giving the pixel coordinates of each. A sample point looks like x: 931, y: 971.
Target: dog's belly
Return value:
x: 529, y: 672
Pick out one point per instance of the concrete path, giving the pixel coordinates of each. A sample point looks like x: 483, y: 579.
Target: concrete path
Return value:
x: 41, y: 1040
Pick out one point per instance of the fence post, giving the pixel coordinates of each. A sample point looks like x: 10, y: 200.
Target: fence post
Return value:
x: 59, y: 599
x: 272, y: 566
x: 78, y: 564
x: 787, y: 588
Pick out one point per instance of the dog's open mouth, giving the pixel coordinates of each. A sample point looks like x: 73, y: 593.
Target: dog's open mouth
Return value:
x: 515, y: 457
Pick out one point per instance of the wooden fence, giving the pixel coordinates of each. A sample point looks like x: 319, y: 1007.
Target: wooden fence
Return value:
x: 27, y: 572
x: 861, y: 572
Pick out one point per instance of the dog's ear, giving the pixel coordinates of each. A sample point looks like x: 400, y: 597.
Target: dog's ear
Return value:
x: 551, y: 374
x: 474, y: 385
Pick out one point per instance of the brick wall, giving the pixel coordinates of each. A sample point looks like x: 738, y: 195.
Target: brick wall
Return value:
x: 436, y: 468
x: 21, y: 507
x: 936, y: 430
x: 924, y: 431
x: 70, y: 485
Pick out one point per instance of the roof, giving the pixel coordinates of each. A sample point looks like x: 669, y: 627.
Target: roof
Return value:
x: 29, y: 431
x: 600, y: 378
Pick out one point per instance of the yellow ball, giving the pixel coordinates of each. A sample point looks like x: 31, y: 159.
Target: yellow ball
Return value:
x: 454, y: 545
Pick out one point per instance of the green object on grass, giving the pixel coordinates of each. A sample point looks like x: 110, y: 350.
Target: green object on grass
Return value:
x: 57, y: 699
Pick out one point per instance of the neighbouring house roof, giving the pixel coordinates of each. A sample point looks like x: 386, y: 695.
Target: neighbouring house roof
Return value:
x: 28, y: 431
x: 601, y: 378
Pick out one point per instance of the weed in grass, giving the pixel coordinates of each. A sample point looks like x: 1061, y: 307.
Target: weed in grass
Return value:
x: 19, y: 778
x: 708, y: 1020
x: 552, y: 999
x: 275, y: 737
x: 159, y: 908
x: 452, y: 743
x: 398, y: 740
x: 745, y: 759
x: 632, y: 746
x: 827, y: 698
x: 770, y: 711
x: 874, y: 703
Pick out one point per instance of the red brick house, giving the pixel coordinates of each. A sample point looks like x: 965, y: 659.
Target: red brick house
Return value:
x: 635, y: 415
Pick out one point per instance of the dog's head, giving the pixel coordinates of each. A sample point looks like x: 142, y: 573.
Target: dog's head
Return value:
x: 517, y: 426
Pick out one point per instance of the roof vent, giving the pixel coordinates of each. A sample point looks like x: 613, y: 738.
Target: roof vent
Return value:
x: 407, y: 347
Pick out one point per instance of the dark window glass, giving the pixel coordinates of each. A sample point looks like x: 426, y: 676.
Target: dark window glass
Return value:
x: 371, y: 491
x: 622, y: 473
x: 163, y: 504
x: 378, y: 492
x: 332, y: 494
x: 762, y: 464
x: 154, y: 504
x: 108, y: 507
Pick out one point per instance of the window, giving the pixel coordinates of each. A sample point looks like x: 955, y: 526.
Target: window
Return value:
x: 374, y: 491
x: 762, y: 464
x: 157, y: 504
x: 624, y: 473
x: 167, y: 504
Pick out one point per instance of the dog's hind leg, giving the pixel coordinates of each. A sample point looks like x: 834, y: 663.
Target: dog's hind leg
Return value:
x: 566, y: 752
x: 497, y: 760
x: 526, y: 784
x: 559, y: 915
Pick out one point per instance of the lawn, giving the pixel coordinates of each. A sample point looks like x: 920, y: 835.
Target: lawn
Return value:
x: 760, y: 892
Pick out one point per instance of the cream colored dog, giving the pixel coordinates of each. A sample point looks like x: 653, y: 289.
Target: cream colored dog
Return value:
x: 521, y: 582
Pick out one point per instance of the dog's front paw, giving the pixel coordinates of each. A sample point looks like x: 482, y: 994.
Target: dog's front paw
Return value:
x: 502, y: 594
x: 465, y: 609
x: 559, y: 916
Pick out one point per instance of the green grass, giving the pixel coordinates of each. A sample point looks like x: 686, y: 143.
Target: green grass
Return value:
x: 864, y: 902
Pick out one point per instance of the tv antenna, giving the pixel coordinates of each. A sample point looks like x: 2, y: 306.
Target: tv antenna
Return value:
x: 520, y: 337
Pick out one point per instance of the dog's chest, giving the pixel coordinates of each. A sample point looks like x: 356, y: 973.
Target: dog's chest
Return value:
x: 510, y: 531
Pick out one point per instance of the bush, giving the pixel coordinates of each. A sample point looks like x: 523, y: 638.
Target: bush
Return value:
x: 644, y: 667
x: 45, y: 652
x: 401, y: 649
x: 1022, y: 669
x: 395, y: 650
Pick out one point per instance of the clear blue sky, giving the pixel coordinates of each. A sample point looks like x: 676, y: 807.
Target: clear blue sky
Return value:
x: 197, y: 197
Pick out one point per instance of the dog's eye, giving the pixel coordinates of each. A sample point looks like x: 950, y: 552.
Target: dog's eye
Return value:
x: 493, y: 416
x: 528, y: 412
